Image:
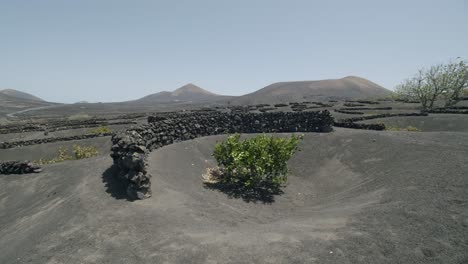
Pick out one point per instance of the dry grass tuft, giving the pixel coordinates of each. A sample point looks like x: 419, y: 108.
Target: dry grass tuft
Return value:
x: 408, y: 128
x: 212, y: 175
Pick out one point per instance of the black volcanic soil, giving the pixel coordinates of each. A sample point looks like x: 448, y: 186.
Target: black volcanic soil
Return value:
x: 433, y: 122
x: 50, y: 150
x: 21, y: 136
x: 353, y: 197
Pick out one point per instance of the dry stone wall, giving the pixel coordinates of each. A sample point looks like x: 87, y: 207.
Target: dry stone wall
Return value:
x: 131, y: 147
x: 18, y: 167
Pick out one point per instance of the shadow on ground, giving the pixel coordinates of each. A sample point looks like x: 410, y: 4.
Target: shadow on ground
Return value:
x: 115, y: 187
x: 262, y: 193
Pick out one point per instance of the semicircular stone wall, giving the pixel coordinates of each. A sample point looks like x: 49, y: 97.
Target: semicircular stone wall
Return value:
x: 131, y: 147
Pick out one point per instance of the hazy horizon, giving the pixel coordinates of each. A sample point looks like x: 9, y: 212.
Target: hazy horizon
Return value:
x: 120, y: 50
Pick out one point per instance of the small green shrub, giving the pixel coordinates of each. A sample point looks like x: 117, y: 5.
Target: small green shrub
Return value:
x: 84, y: 152
x: 258, y: 161
x: 408, y: 128
x: 61, y: 156
x: 79, y: 152
x: 100, y: 130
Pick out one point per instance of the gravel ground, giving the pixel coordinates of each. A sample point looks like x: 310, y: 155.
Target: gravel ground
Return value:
x: 50, y: 150
x: 352, y: 197
x: 60, y: 133
x: 433, y: 122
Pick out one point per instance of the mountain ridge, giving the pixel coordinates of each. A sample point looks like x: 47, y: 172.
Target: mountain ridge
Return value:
x: 20, y: 95
x: 349, y: 87
x: 186, y: 93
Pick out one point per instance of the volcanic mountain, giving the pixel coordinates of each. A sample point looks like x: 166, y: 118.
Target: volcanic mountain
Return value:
x: 350, y: 87
x: 187, y: 93
x: 11, y: 93
x: 13, y: 100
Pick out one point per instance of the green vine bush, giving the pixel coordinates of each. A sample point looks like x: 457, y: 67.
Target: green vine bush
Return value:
x: 79, y: 152
x: 408, y: 128
x: 100, y: 130
x: 258, y: 162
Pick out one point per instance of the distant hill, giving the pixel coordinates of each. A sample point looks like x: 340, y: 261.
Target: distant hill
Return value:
x: 13, y: 101
x: 20, y: 95
x: 350, y: 87
x: 187, y: 93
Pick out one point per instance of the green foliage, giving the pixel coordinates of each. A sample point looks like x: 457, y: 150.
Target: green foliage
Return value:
x: 84, y: 152
x: 465, y: 92
x: 79, y: 152
x: 445, y: 82
x: 408, y: 128
x: 453, y: 78
x: 261, y: 160
x: 61, y: 156
x: 100, y: 130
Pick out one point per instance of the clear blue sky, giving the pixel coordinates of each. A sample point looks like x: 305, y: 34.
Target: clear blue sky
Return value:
x: 114, y: 50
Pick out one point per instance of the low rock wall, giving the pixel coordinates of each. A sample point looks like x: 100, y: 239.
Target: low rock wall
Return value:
x: 18, y: 167
x: 131, y: 147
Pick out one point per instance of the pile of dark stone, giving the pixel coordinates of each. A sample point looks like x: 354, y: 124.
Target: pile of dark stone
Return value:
x: 131, y: 147
x: 13, y: 144
x: 18, y: 167
x: 281, y: 105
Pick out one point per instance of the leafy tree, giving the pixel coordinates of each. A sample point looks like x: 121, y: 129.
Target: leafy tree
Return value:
x: 455, y: 81
x: 254, y: 162
x: 416, y: 88
x: 442, y: 81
